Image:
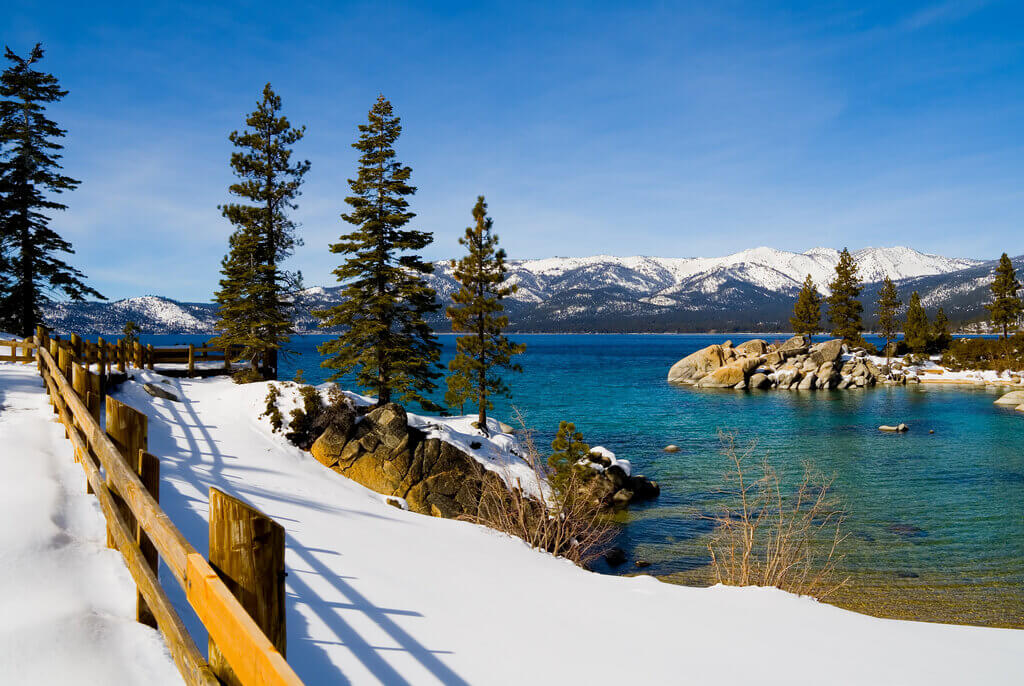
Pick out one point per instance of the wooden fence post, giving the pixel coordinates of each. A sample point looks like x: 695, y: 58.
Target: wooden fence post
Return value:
x: 120, y: 354
x: 191, y: 360
x: 76, y: 346
x: 247, y: 552
x: 150, y: 355
x: 128, y: 429
x: 148, y: 468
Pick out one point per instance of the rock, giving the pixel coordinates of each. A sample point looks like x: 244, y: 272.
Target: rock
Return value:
x: 760, y: 381
x: 755, y: 347
x: 505, y: 428
x: 794, y: 343
x: 327, y: 448
x: 1011, y: 398
x: 697, y: 365
x: 724, y: 377
x: 671, y: 448
x: 775, y: 358
x: 643, y: 488
x: 807, y: 383
x: 158, y: 392
x: 640, y: 564
x: 844, y: 383
x: 899, y: 428
x: 617, y: 475
x: 786, y: 377
x: 615, y: 556
x: 622, y: 498
x: 828, y: 351
x: 1019, y: 408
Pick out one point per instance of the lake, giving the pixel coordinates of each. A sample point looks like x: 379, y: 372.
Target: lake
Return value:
x: 935, y: 521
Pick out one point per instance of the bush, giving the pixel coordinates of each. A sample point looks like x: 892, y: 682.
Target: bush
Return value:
x: 986, y: 353
x: 272, y: 411
x: 302, y: 425
x: 767, y: 539
x: 247, y: 375
x: 568, y: 522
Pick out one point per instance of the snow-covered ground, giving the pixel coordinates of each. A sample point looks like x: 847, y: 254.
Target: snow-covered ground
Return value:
x: 67, y: 602
x: 380, y: 595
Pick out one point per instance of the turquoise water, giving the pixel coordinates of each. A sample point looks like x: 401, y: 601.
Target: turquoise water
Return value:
x: 936, y: 521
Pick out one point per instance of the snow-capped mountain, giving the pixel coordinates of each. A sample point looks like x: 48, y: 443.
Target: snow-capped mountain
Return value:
x: 752, y: 289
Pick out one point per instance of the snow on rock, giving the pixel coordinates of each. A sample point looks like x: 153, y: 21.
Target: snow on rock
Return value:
x: 624, y: 465
x: 67, y: 602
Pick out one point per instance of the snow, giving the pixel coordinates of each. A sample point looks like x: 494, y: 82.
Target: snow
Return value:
x: 624, y: 465
x: 380, y: 595
x: 67, y: 601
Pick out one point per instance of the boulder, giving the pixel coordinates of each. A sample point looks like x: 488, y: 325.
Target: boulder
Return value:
x: 828, y: 351
x: 158, y: 392
x: 327, y: 448
x: 622, y: 498
x: 505, y: 428
x: 643, y: 488
x: 671, y: 448
x: 760, y: 381
x: 899, y: 428
x: 724, y: 377
x: 1011, y: 398
x: 807, y: 383
x: 615, y: 556
x: 697, y: 365
x: 793, y: 344
x: 1019, y: 408
x: 755, y: 347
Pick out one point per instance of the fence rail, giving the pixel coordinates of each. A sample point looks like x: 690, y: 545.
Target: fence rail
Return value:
x: 140, y: 529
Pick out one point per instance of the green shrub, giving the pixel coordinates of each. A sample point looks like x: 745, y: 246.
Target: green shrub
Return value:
x: 302, y: 427
x: 986, y: 353
x: 247, y: 375
x: 272, y: 411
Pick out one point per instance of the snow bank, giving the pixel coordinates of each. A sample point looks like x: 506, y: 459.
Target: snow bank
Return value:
x: 67, y: 602
x: 380, y: 595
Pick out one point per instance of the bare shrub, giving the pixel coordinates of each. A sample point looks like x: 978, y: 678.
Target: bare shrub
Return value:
x: 767, y: 539
x: 567, y: 523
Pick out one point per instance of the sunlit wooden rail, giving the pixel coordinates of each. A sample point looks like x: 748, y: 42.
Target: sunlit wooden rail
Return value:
x: 125, y: 480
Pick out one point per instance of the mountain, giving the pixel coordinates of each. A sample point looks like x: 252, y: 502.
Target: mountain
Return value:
x: 749, y: 290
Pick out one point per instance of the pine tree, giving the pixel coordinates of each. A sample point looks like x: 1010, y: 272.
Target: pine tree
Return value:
x: 888, y: 303
x: 256, y: 294
x: 1006, y: 305
x: 386, y: 340
x: 844, y: 309
x: 29, y: 179
x: 941, y: 336
x: 568, y: 449
x: 477, y: 310
x: 130, y: 332
x: 918, y: 330
x: 806, y: 319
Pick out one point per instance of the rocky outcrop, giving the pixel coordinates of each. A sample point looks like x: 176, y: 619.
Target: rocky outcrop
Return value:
x: 1011, y: 398
x: 382, y: 452
x: 791, y: 365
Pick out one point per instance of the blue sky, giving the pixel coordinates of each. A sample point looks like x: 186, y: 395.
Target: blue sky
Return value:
x: 673, y: 129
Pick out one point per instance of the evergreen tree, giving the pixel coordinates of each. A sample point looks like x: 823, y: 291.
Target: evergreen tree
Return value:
x: 806, y: 319
x: 568, y: 449
x: 844, y: 309
x: 130, y: 332
x: 477, y: 310
x: 917, y: 331
x: 888, y: 303
x: 255, y: 295
x: 941, y: 336
x: 386, y: 340
x: 29, y: 179
x: 1006, y: 305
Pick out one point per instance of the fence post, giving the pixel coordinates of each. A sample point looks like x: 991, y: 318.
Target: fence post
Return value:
x: 128, y: 429
x: 148, y: 469
x: 150, y: 354
x: 101, y: 362
x: 247, y: 552
x: 227, y: 357
x: 76, y: 346
x: 119, y: 352
x: 191, y: 360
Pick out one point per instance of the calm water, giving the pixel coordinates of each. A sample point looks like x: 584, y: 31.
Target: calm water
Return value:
x: 936, y: 521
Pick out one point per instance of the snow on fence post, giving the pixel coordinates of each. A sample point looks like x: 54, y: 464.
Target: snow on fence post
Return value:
x: 247, y: 552
x: 191, y: 360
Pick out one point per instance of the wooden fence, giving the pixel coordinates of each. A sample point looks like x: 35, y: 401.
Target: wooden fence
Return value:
x: 247, y: 547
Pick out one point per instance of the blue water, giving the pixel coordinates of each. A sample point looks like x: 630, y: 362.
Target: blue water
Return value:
x: 936, y: 521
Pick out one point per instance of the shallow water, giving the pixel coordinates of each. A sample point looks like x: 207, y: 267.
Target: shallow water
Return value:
x: 936, y: 521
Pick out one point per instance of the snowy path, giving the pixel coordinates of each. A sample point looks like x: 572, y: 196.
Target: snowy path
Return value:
x: 379, y: 595
x: 67, y: 602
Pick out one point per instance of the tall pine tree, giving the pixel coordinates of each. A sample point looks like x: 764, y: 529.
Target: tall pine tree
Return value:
x: 918, y: 330
x: 386, y: 340
x: 255, y: 295
x: 477, y: 311
x: 806, y: 319
x: 1006, y: 305
x: 29, y: 179
x: 844, y: 309
x: 888, y: 304
x: 941, y: 335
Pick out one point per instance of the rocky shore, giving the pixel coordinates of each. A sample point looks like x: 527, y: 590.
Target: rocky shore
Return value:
x: 791, y: 365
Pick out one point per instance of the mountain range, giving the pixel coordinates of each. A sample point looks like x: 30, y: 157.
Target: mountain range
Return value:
x: 752, y: 290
